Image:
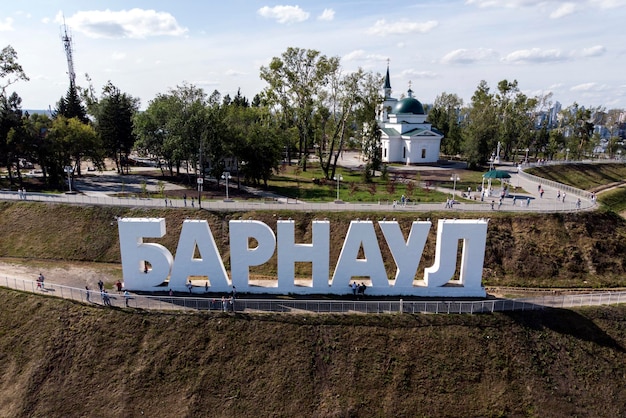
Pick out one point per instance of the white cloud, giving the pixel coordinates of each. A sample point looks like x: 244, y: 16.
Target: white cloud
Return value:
x: 608, y: 4
x: 284, y: 14
x: 134, y: 23
x: 594, y: 51
x: 563, y: 10
x: 382, y: 27
x: 6, y: 24
x: 327, y: 15
x: 118, y: 56
x: 417, y: 74
x: 505, y: 3
x: 234, y: 73
x: 361, y: 55
x: 469, y: 56
x: 585, y: 87
x: 534, y: 55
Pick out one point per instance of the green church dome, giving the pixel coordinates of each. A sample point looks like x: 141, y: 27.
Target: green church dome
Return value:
x: 409, y: 105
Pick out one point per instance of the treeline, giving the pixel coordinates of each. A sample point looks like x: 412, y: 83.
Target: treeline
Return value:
x: 310, y: 106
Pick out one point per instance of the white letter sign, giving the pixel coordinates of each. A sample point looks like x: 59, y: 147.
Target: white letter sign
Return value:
x: 361, y: 238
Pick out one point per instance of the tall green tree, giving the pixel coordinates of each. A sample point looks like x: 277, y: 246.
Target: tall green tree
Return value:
x: 10, y: 107
x: 114, y: 123
x: 296, y: 81
x: 445, y: 117
x: 10, y: 70
x: 71, y: 106
x: 71, y: 141
x: 368, y: 101
x: 10, y: 119
x: 577, y: 125
x: 256, y: 140
x: 516, y: 118
x: 480, y: 127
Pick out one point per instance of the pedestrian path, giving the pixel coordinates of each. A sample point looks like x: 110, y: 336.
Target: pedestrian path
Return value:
x: 555, y: 198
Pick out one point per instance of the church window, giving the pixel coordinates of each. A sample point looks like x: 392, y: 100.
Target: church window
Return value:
x: 423, y: 152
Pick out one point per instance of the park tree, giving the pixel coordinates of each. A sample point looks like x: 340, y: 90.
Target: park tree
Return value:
x: 10, y: 70
x: 71, y: 106
x: 480, y: 127
x: 10, y: 106
x: 10, y: 120
x: 114, y: 115
x: 296, y: 84
x: 347, y: 104
x: 445, y: 117
x: 71, y: 141
x: 155, y: 137
x: 577, y: 125
x: 515, y: 118
x: 255, y: 140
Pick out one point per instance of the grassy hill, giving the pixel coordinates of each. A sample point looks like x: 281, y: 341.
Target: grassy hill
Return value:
x: 583, y: 249
x: 60, y: 358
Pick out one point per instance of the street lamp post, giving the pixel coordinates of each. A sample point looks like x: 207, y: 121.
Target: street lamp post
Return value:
x: 69, y: 170
x: 567, y: 154
x: 338, y: 178
x: 226, y: 176
x: 527, y: 155
x: 454, y: 178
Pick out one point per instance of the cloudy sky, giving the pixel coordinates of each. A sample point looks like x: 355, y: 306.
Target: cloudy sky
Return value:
x: 574, y: 49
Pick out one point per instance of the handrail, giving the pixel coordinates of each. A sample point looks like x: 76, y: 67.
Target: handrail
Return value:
x: 208, y: 303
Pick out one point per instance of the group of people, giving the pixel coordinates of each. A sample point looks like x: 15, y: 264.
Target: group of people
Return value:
x: 106, y: 299
x: 21, y: 193
x: 40, y: 280
x: 358, y: 289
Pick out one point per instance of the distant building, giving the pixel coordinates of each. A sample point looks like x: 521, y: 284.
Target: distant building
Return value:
x: 406, y: 136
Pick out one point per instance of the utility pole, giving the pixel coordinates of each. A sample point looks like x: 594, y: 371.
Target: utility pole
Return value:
x: 200, y: 179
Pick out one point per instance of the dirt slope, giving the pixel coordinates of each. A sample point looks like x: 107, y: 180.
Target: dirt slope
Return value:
x: 531, y: 250
x: 59, y: 358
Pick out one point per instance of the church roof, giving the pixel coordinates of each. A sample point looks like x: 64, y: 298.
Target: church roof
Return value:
x: 387, y: 79
x: 390, y: 131
x: 409, y: 105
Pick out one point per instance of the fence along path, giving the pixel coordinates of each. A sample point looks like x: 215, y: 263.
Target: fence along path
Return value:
x: 181, y: 303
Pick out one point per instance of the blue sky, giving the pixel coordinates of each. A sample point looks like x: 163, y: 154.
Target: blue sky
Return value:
x: 573, y: 49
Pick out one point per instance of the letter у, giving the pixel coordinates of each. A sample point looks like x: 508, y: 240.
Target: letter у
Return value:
x: 135, y: 253
x: 449, y: 232
x: 407, y: 255
x: 289, y: 253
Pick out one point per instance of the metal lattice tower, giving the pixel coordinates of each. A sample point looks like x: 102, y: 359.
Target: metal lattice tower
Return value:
x: 67, y: 44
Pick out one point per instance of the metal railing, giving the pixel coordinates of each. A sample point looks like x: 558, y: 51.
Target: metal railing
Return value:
x: 166, y: 302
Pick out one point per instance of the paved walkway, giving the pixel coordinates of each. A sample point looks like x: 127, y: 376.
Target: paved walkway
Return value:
x: 96, y: 190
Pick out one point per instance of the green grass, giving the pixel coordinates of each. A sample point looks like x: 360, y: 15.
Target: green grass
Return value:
x: 583, y: 176
x: 614, y: 199
x: 311, y: 186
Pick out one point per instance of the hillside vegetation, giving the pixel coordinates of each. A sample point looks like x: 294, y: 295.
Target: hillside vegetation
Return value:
x: 592, y: 177
x: 61, y: 358
x: 583, y: 249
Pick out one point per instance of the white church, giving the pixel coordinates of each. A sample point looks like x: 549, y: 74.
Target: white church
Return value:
x: 406, y: 136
